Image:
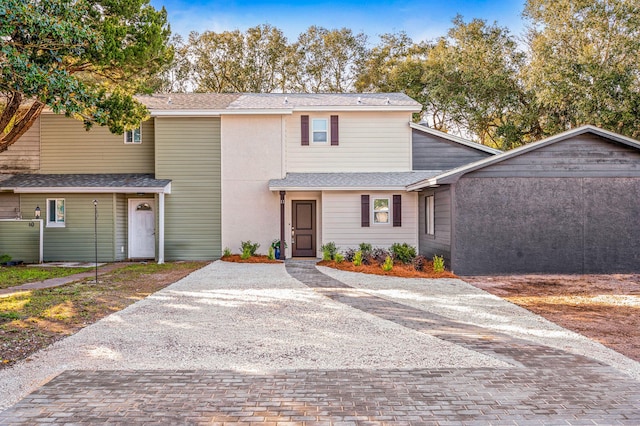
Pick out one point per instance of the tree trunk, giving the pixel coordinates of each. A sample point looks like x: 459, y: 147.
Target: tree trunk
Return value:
x: 20, y: 126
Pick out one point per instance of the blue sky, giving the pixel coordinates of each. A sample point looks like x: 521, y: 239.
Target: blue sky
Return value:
x: 422, y: 20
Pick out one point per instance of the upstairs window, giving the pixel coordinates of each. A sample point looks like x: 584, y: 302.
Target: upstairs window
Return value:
x: 319, y: 130
x: 133, y: 136
x: 55, y: 213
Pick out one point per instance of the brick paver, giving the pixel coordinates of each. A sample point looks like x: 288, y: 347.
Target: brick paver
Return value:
x: 544, y: 386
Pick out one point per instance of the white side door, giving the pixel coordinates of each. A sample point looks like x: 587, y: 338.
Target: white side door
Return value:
x: 142, y: 227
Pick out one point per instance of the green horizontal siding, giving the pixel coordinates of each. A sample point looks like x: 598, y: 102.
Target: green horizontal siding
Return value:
x: 188, y: 153
x: 20, y: 239
x: 68, y: 148
x: 75, y: 242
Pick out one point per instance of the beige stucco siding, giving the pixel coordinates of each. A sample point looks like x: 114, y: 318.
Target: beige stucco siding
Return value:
x: 368, y: 142
x: 188, y: 153
x: 68, y: 148
x: 341, y: 212
x: 24, y: 155
x: 251, y: 155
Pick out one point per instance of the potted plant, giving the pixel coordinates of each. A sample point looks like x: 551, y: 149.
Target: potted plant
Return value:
x: 275, y: 245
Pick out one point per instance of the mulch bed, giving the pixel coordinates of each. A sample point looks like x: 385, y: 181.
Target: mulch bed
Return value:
x: 399, y: 270
x: 258, y: 258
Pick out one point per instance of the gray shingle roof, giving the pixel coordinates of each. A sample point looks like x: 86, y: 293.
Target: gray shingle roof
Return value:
x: 352, y: 181
x: 285, y: 101
x: 188, y: 101
x: 84, y: 181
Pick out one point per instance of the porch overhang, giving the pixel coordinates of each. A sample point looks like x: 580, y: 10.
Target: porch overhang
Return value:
x: 365, y: 181
x: 86, y: 184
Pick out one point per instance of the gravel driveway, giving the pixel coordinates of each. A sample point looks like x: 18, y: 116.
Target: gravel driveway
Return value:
x: 257, y: 318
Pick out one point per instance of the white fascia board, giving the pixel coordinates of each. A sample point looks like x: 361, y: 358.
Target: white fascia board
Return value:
x: 335, y: 188
x: 258, y: 111
x: 425, y: 183
x: 91, y: 190
x: 355, y: 108
x: 185, y: 113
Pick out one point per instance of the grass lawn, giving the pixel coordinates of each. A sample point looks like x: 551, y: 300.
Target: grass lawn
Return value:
x: 31, y: 320
x: 16, y: 275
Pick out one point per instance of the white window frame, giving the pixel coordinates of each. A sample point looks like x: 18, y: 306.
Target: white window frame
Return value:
x: 430, y: 215
x: 130, y: 136
x: 325, y: 130
x: 56, y: 223
x: 374, y: 211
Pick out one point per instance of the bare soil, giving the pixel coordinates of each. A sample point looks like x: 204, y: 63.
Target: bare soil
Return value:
x: 35, y: 319
x: 605, y: 308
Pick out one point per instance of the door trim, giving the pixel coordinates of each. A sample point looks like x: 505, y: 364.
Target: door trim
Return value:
x: 132, y: 203
x: 314, y: 235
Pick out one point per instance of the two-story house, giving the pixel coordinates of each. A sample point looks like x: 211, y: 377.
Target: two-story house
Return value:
x: 208, y: 171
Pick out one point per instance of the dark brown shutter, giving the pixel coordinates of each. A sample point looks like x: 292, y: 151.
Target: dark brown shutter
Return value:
x: 334, y: 130
x: 364, y: 206
x: 397, y: 210
x: 304, y: 129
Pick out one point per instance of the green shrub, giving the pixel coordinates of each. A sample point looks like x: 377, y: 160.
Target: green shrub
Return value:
x: 249, y: 247
x: 357, y: 258
x: 4, y: 258
x: 227, y: 251
x: 388, y: 264
x: 271, y: 254
x: 403, y: 252
x: 378, y: 256
x: 339, y: 258
x: 365, y: 248
x: 329, y: 251
x: 246, y: 253
x: 438, y: 264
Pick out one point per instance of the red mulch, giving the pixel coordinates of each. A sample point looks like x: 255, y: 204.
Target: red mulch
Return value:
x: 399, y: 270
x: 258, y: 258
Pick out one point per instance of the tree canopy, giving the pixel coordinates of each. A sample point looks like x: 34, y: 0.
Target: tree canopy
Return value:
x: 83, y: 58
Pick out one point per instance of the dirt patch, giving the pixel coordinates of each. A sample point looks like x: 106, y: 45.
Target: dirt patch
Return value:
x: 605, y: 308
x: 32, y: 320
x: 258, y: 258
x: 399, y: 270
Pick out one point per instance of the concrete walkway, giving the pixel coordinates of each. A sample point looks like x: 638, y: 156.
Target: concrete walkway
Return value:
x: 507, y: 379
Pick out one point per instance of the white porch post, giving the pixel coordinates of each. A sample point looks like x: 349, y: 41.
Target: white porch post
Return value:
x: 41, y: 223
x: 161, y: 228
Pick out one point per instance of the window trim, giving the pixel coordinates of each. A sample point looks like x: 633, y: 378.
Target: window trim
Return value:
x: 131, y: 132
x: 56, y: 223
x: 430, y: 215
x: 325, y: 131
x: 373, y: 211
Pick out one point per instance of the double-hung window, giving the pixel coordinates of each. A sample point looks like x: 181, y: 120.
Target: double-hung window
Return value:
x: 55, y: 213
x: 380, y: 210
x: 319, y: 130
x: 133, y: 136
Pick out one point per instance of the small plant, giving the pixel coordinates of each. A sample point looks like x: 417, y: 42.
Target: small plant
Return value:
x: 271, y: 254
x: 419, y: 262
x: 275, y: 244
x: 4, y: 258
x: 438, y: 264
x: 357, y: 258
x: 227, y: 252
x: 248, y: 246
x: 329, y: 251
x: 378, y: 256
x: 403, y: 252
x: 365, y: 248
x: 388, y: 264
x: 349, y: 254
x: 246, y: 253
x: 339, y: 258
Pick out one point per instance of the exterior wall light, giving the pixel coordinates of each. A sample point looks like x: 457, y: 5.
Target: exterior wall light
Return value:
x: 37, y: 212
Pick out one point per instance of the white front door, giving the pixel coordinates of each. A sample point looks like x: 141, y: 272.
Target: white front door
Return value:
x: 142, y: 229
